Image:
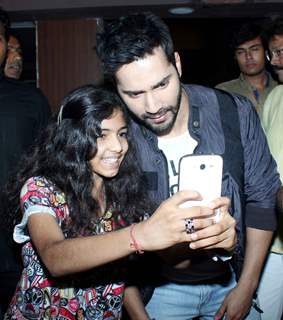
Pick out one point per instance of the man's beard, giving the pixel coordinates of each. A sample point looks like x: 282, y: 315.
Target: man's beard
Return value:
x: 163, y: 128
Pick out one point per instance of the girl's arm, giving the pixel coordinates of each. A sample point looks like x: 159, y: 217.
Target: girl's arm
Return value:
x: 165, y: 228
x: 64, y: 256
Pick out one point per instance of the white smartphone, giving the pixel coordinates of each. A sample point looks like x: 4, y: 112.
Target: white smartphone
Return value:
x: 201, y: 173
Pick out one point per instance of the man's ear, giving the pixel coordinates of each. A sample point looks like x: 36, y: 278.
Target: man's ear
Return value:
x: 178, y: 63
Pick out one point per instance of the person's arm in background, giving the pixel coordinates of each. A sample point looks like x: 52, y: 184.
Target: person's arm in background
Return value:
x: 261, y: 186
x: 280, y: 200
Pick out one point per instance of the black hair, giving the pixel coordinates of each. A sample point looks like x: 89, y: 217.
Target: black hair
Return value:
x: 273, y: 28
x: 131, y: 37
x: 246, y: 32
x: 5, y: 20
x: 62, y: 156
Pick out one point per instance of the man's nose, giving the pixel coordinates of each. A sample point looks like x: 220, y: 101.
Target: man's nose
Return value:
x: 150, y: 103
x: 17, y: 56
x: 274, y: 60
x: 248, y: 54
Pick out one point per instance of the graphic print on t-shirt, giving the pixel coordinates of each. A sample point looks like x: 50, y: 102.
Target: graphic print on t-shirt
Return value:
x: 174, y: 149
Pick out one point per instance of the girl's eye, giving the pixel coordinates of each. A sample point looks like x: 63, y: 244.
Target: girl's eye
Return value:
x: 102, y: 136
x: 124, y: 134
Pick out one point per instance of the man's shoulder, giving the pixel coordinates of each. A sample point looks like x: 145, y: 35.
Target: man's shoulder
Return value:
x: 276, y: 93
x: 18, y: 86
x: 201, y: 95
x: 198, y: 94
x: 25, y: 91
x: 229, y: 85
x: 273, y: 105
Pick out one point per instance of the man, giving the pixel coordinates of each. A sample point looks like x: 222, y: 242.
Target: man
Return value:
x: 23, y: 112
x: 170, y: 120
x: 254, y: 81
x: 274, y: 37
x: 270, y: 292
x: 14, y: 58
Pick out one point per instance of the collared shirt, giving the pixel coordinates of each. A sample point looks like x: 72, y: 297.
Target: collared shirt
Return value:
x: 244, y: 88
x: 272, y: 122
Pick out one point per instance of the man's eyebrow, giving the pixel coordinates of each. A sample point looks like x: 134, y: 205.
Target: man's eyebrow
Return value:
x: 153, y: 87
x: 133, y: 92
x: 253, y: 46
x: 256, y: 45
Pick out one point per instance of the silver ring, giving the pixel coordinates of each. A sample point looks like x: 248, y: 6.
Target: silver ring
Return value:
x: 189, y: 225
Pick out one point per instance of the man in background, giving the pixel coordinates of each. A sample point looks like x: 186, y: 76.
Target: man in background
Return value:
x: 14, y: 58
x: 274, y: 37
x: 270, y: 292
x: 254, y: 81
x: 24, y: 111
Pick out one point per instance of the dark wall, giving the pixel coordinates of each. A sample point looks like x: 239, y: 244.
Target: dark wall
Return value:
x: 66, y: 57
x: 204, y: 47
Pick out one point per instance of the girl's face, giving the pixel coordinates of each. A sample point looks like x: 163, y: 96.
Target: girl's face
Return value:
x: 112, y: 146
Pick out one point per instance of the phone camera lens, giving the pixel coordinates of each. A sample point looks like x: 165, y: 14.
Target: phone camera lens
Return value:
x: 202, y: 166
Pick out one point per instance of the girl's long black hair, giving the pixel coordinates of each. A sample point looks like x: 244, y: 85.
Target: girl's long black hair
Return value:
x: 62, y: 155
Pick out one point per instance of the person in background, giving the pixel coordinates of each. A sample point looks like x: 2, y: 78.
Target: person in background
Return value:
x: 14, y: 58
x: 77, y: 205
x: 270, y: 292
x: 254, y: 81
x: 274, y: 54
x: 170, y: 120
x: 24, y: 112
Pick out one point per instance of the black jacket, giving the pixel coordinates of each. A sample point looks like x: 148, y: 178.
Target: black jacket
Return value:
x: 252, y: 200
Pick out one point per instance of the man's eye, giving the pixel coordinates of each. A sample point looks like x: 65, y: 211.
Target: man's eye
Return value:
x: 163, y: 84
x: 134, y: 94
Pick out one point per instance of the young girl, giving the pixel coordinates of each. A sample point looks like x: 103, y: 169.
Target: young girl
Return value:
x: 81, y: 200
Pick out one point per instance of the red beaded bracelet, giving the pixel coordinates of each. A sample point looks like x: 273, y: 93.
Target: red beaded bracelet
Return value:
x: 134, y: 244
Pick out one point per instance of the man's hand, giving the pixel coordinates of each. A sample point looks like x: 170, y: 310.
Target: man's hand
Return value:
x: 236, y: 304
x: 167, y: 226
x: 221, y: 234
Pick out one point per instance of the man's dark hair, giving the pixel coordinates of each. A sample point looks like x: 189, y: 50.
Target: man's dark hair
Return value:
x: 4, y: 19
x: 246, y: 32
x: 131, y: 37
x: 274, y: 28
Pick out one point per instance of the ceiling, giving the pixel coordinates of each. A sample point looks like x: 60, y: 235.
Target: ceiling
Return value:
x: 31, y: 10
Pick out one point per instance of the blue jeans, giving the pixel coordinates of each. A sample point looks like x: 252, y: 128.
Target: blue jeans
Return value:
x: 183, y: 302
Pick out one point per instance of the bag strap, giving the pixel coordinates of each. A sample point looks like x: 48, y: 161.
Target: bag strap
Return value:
x: 234, y: 153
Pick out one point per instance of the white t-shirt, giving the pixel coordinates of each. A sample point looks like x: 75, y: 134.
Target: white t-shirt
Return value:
x: 174, y: 149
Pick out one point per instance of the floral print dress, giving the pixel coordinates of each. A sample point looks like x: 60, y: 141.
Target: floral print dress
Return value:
x: 87, y: 295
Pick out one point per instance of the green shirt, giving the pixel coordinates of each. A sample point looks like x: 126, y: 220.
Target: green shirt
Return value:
x: 272, y: 123
x: 244, y: 88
